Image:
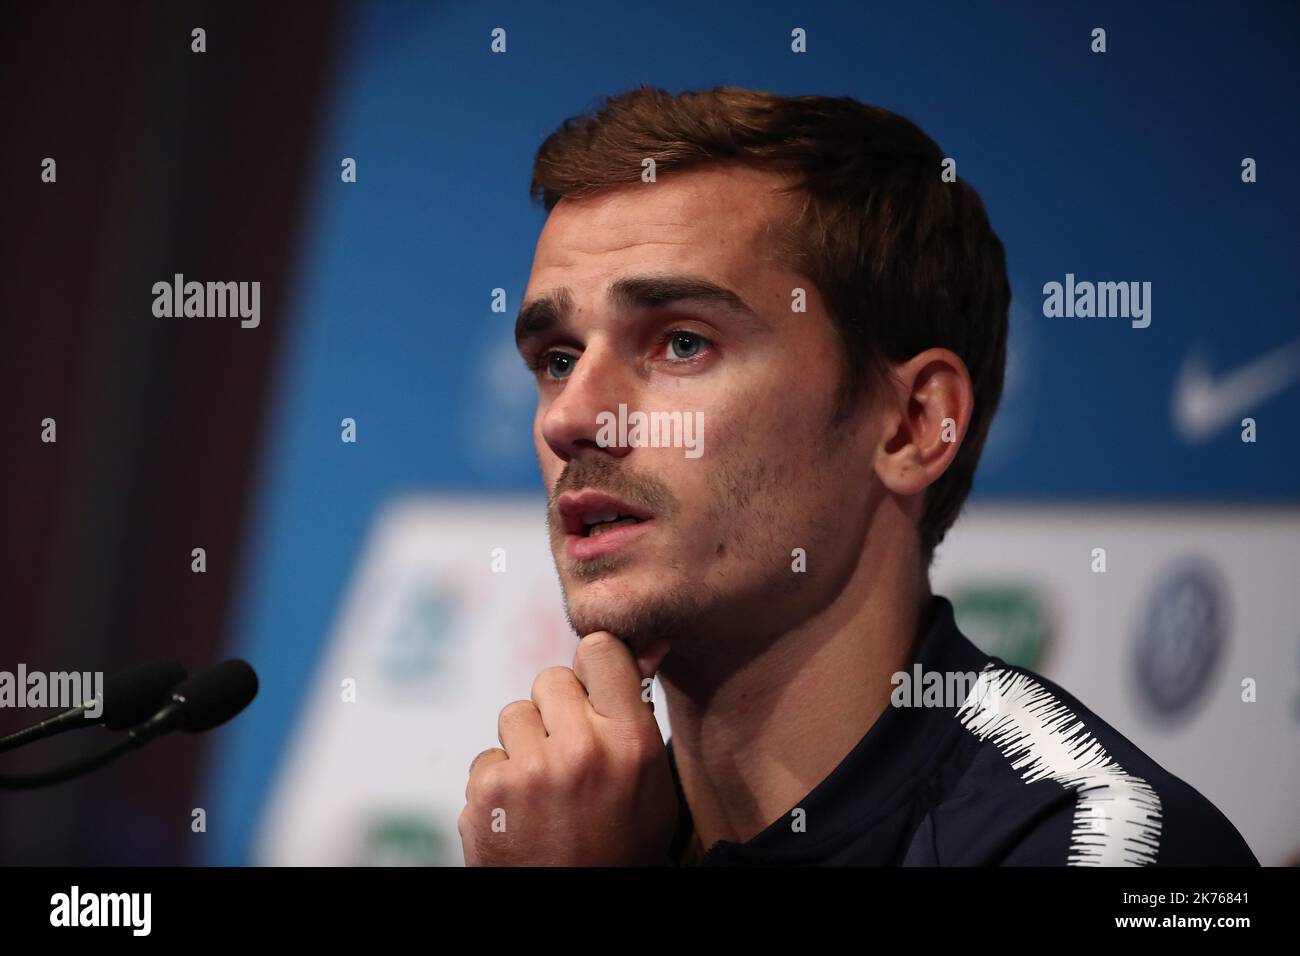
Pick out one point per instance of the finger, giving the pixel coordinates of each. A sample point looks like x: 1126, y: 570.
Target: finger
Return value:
x: 609, y: 673
x: 466, y: 830
x: 648, y: 661
x: 562, y: 702
x: 485, y: 759
x: 519, y: 727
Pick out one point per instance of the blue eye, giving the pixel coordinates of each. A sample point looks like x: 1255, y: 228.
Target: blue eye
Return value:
x: 559, y: 364
x: 685, y: 345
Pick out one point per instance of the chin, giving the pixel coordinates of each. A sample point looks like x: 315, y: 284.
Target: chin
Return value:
x: 637, y: 615
x: 601, y: 605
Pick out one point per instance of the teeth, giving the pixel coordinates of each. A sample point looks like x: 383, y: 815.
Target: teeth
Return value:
x: 599, y: 517
x: 601, y: 528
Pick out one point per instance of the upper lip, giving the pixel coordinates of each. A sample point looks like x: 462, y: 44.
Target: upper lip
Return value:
x: 574, y: 505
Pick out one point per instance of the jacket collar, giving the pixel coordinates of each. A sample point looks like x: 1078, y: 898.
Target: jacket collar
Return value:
x: 866, y: 800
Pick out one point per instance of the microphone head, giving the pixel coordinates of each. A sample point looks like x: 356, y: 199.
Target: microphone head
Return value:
x: 211, y: 698
x: 133, y: 695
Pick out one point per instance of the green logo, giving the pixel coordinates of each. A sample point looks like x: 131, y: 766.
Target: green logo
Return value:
x: 1003, y: 620
x: 403, y: 840
x: 414, y: 644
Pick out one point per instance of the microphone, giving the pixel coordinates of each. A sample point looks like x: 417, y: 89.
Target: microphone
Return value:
x: 203, y: 702
x: 197, y: 704
x: 127, y: 698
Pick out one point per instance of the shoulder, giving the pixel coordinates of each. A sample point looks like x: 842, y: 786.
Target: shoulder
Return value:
x: 1050, y: 783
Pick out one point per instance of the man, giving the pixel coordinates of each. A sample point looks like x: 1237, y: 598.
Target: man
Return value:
x: 798, y: 280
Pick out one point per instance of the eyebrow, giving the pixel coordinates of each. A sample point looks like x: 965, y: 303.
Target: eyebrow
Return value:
x: 554, y: 307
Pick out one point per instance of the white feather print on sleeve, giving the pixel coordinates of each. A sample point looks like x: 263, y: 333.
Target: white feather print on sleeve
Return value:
x: 1117, y: 815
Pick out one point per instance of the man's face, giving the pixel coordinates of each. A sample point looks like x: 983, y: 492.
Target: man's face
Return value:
x: 704, y: 534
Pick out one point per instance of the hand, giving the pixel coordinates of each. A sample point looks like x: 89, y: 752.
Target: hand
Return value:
x: 583, y: 778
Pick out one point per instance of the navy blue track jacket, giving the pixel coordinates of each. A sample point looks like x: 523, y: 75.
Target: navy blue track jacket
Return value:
x: 1018, y: 773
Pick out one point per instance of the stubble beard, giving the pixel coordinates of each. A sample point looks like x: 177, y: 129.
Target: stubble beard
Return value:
x: 638, y: 622
x: 675, y: 610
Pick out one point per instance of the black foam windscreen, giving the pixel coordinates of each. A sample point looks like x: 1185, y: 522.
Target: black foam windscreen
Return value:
x: 136, y: 694
x: 216, y: 695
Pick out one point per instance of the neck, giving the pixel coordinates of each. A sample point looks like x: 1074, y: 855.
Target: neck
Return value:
x: 754, y: 736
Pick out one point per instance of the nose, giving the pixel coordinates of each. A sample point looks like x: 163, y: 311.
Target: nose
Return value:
x: 598, y: 383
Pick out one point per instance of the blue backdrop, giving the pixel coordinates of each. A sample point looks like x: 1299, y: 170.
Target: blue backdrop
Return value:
x: 1123, y: 166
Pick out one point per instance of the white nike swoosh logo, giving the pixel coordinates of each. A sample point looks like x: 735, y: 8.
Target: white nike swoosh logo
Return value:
x: 1202, y: 404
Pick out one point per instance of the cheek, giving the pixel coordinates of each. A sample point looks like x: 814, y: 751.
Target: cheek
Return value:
x: 773, y: 423
x: 774, y: 463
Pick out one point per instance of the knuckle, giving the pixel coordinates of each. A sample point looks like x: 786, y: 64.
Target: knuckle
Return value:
x: 552, y: 678
x: 516, y: 707
x: 532, y: 773
x: 473, y: 764
x: 515, y: 710
x: 580, y: 755
x: 492, y: 789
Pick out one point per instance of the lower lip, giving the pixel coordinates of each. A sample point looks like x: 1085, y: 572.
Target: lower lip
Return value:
x: 580, y: 547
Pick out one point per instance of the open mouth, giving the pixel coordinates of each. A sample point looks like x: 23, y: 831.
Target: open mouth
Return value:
x: 589, y: 514
x: 598, y: 522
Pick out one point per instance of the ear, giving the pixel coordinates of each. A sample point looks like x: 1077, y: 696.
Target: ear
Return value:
x: 932, y: 400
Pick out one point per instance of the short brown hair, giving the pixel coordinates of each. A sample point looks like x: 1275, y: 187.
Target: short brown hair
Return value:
x: 903, y: 260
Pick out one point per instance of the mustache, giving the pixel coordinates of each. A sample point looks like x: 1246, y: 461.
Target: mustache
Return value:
x: 603, y: 474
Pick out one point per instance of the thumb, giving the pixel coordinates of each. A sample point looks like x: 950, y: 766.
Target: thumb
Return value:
x: 649, y: 659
